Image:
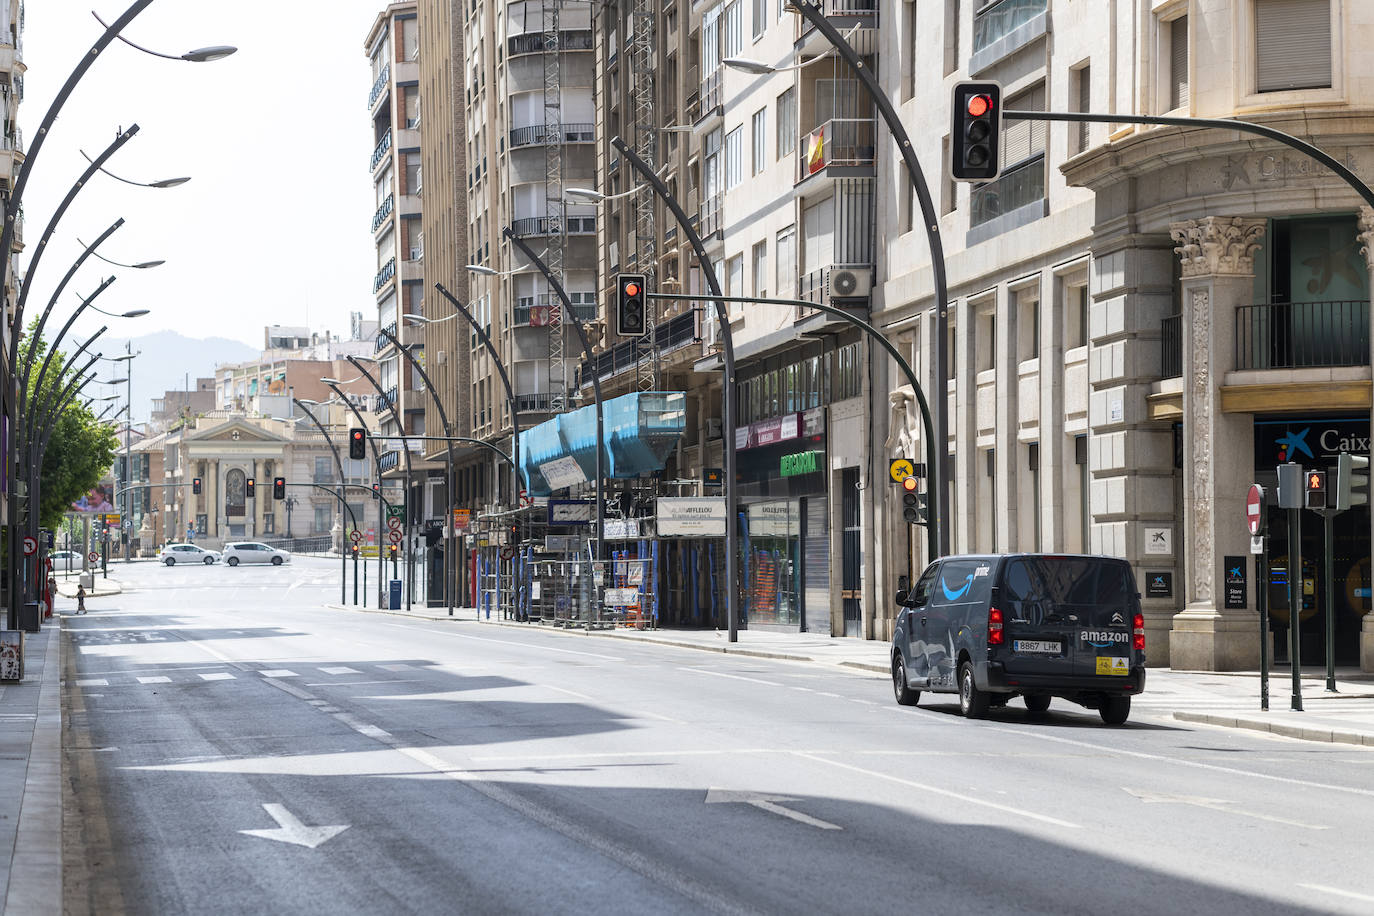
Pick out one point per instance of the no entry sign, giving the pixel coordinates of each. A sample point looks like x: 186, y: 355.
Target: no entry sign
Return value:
x: 1254, y: 509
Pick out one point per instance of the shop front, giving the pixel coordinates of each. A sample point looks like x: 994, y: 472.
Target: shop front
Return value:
x: 1315, y: 442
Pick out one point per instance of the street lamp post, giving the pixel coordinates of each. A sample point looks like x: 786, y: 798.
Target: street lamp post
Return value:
x: 290, y: 505
x: 727, y: 392
x: 343, y: 479
x: 334, y: 384
x: 450, y: 557
x: 596, y: 389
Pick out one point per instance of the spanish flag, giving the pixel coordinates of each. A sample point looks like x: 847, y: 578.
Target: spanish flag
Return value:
x: 815, y: 156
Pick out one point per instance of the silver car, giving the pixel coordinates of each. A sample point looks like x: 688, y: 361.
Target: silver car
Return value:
x: 172, y: 554
x: 253, y: 552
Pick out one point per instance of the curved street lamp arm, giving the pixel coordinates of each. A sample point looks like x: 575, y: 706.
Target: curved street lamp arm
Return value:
x: 343, y: 478
x: 42, y: 449
x: 52, y: 348
x: 29, y: 422
x: 482, y: 336
x: 400, y: 422
x: 75, y: 385
x: 372, y: 445
x: 52, y: 302
x: 434, y: 392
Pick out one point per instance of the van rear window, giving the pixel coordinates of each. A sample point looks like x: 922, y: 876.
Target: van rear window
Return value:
x: 1050, y: 583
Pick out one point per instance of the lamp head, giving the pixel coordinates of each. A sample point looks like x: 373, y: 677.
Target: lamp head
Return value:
x: 483, y: 271
x: 744, y: 64
x: 214, y: 52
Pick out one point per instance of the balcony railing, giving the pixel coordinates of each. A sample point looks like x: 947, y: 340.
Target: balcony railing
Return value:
x: 383, y: 212
x: 536, y: 42
x: 388, y: 460
x: 710, y: 215
x: 843, y: 8
x: 540, y: 225
x: 384, y: 275
x: 1024, y: 184
x: 383, y: 147
x: 670, y: 335
x: 1302, y: 335
x: 708, y: 97
x: 1171, y: 347
x: 379, y: 86
x: 538, y: 134
x: 383, y: 341
x: 839, y: 141
x: 540, y: 311
x: 540, y: 402
x: 997, y: 20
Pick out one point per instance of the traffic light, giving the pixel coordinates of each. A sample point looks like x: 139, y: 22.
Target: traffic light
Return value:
x: 376, y: 491
x: 195, y: 485
x: 631, y: 312
x: 1290, y: 485
x: 914, y: 508
x: 357, y: 443
x: 251, y: 487
x: 1316, y: 489
x: 279, y: 488
x: 977, y: 132
x: 1352, y: 480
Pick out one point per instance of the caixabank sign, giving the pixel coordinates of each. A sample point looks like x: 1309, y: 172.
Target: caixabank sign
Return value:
x: 1309, y: 441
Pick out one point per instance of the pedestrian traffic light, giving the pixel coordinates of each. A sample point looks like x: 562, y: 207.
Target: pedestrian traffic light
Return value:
x: 977, y: 131
x: 279, y: 488
x: 251, y: 487
x: 1352, y: 480
x: 631, y: 313
x: 357, y: 443
x: 1316, y: 489
x: 914, y: 508
x: 195, y: 485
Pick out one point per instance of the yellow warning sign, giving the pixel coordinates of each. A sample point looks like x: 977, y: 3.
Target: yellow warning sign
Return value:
x: 900, y: 469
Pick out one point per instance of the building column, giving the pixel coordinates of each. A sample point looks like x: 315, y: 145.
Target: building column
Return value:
x: 1218, y: 449
x: 1367, y: 247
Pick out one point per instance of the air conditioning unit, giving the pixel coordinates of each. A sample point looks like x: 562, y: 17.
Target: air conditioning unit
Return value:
x: 848, y: 283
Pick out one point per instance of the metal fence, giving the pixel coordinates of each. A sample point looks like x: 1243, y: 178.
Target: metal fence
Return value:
x: 567, y: 591
x: 1302, y: 335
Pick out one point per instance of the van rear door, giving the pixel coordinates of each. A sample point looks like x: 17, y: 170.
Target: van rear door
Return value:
x: 1064, y: 613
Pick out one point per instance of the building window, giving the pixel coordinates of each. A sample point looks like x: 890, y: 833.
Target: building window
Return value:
x: 952, y: 15
x: 1075, y: 316
x: 1023, y: 156
x: 785, y: 246
x: 787, y: 122
x: 1292, y: 45
x: 984, y: 344
x: 323, y: 520
x: 949, y: 188
x: 1083, y: 84
x: 410, y: 96
x: 759, y: 129
x: 1028, y: 320
x: 1178, y: 63
x: 760, y: 18
x: 760, y: 254
x: 732, y: 33
x: 734, y: 164
x: 734, y: 276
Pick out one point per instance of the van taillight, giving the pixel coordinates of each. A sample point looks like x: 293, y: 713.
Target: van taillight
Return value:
x: 994, y: 627
x: 1138, y: 626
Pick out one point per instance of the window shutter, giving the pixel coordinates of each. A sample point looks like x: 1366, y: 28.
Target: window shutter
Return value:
x: 1292, y: 44
x: 1178, y: 63
x: 1024, y: 139
x: 1085, y: 102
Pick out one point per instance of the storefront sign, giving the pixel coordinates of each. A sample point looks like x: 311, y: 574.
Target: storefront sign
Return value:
x: 1159, y: 541
x: 800, y: 463
x: 691, y: 516
x: 1233, y: 570
x: 1309, y: 442
x: 1159, y: 584
x: 462, y: 519
x: 813, y: 422
x: 770, y: 431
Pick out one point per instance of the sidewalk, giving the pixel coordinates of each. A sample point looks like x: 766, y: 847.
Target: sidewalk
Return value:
x: 1226, y: 699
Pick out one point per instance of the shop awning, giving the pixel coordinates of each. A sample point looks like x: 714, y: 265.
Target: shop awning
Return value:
x: 641, y: 430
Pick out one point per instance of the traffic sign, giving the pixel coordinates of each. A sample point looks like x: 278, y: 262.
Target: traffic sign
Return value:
x: 900, y: 469
x: 395, y: 537
x: 507, y: 552
x: 93, y: 557
x: 128, y: 523
x: 30, y: 546
x: 1254, y: 509
x: 356, y: 536
x: 394, y: 523
x: 526, y: 500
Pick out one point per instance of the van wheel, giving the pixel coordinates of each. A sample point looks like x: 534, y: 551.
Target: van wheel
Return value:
x: 905, y: 695
x: 973, y: 703
x: 1037, y: 702
x: 1115, y: 710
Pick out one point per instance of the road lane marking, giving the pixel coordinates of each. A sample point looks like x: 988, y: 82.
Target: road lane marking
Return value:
x: 935, y: 790
x: 1196, y: 764
x: 733, y: 677
x: 155, y: 680
x: 217, y: 676
x: 289, y: 829
x: 508, y: 642
x: 339, y: 669
x: 571, y: 693
x: 396, y: 667
x: 767, y: 803
x: 1366, y: 898
x: 278, y: 672
x: 93, y: 682
x: 1215, y: 804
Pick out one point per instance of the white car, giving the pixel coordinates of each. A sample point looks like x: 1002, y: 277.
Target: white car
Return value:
x: 253, y: 552
x: 172, y: 554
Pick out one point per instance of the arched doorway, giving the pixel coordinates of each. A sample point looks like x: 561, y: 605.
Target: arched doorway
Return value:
x: 235, y: 500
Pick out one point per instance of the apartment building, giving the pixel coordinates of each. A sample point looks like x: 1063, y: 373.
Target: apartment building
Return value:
x: 1144, y: 320
x: 12, y: 148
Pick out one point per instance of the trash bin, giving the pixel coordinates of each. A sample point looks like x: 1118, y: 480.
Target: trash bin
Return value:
x: 394, y: 594
x: 29, y: 617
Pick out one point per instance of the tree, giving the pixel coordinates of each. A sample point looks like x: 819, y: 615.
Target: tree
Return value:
x: 80, y: 450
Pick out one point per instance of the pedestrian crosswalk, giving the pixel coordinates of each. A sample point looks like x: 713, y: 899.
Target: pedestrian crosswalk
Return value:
x: 198, y: 676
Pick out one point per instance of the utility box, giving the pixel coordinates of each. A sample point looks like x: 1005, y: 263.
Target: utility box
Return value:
x: 30, y: 618
x: 88, y: 581
x: 11, y: 655
x: 394, y: 594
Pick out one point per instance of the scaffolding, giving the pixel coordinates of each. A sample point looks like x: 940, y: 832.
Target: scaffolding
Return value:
x: 554, y: 206
x: 643, y: 53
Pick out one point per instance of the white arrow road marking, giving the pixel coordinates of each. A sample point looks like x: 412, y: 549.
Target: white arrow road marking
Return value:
x: 767, y: 803
x: 291, y: 830
x: 1215, y: 804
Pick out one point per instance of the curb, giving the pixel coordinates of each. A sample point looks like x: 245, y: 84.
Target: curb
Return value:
x: 1301, y: 732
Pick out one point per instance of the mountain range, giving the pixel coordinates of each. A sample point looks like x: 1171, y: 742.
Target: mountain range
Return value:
x: 167, y: 361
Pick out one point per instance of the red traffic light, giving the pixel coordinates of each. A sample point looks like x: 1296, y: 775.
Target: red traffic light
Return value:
x: 632, y: 289
x: 910, y: 484
x: 979, y: 105
x: 1316, y: 480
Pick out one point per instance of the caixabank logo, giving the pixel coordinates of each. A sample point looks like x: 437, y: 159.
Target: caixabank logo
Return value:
x: 1309, y: 441
x: 1291, y: 445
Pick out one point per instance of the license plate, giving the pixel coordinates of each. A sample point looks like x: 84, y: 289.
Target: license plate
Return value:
x: 1113, y: 665
x: 1037, y: 646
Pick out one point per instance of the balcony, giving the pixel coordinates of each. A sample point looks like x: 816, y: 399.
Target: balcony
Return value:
x: 537, y: 42
x: 1014, y: 199
x: 706, y: 102
x: 1002, y: 28
x: 710, y: 215
x: 389, y: 460
x: 379, y: 86
x: 385, y: 275
x: 542, y: 225
x: 540, y: 311
x: 384, y: 211
x: 383, y: 147
x: 538, y: 135
x: 1171, y: 347
x: 382, y: 340
x: 846, y: 15
x: 840, y: 142
x: 670, y: 335
x: 1302, y: 335
x: 537, y: 402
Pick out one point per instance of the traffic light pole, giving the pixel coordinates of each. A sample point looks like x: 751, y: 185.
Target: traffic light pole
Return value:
x: 381, y: 511
x: 1295, y: 604
x: 1329, y: 599
x: 343, y: 504
x: 410, y: 475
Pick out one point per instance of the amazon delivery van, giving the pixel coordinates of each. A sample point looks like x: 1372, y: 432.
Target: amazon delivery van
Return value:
x: 1037, y: 626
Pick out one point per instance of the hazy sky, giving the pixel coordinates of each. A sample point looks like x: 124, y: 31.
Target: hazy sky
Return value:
x: 273, y: 228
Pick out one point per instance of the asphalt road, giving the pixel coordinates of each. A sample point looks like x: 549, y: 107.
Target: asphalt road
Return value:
x: 235, y: 747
